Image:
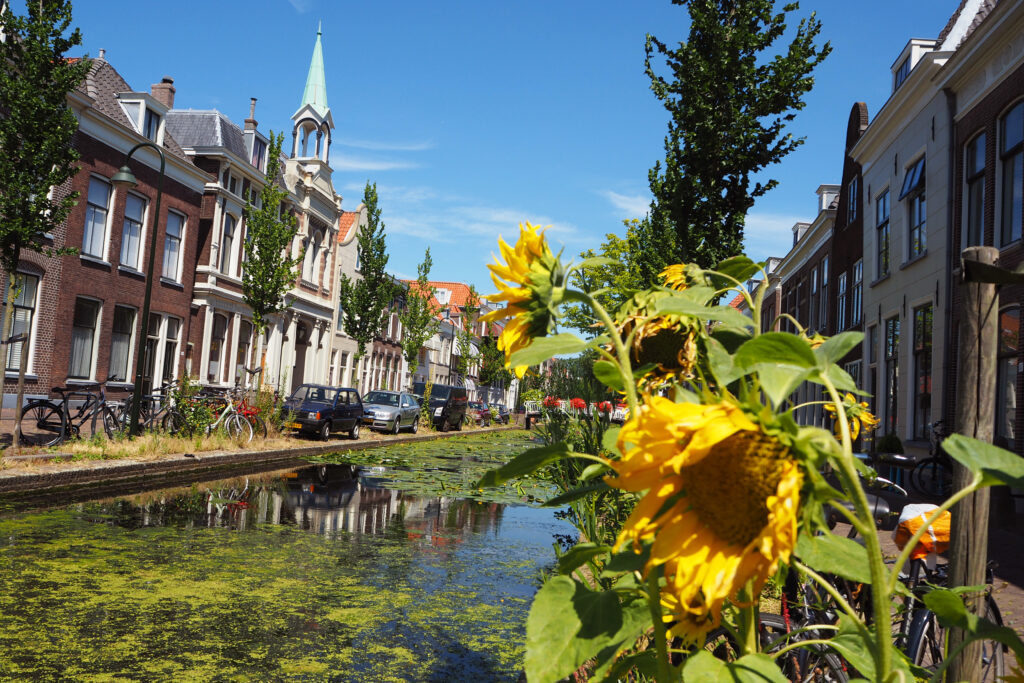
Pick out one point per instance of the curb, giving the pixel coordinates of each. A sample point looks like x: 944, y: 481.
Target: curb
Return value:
x: 119, y: 474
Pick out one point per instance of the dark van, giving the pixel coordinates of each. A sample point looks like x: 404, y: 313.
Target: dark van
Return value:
x: 447, y: 405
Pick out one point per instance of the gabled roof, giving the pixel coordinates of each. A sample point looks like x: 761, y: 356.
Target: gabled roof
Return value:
x: 102, y: 84
x: 967, y: 17
x: 345, y: 224
x: 206, y: 128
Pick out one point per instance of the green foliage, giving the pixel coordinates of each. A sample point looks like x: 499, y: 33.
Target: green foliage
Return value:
x: 729, y: 102
x: 365, y: 302
x: 889, y: 443
x: 37, y: 126
x: 268, y: 272
x: 533, y: 395
x: 611, y: 281
x: 492, y: 363
x: 426, y: 412
x: 197, y: 413
x: 419, y: 317
x: 464, y: 337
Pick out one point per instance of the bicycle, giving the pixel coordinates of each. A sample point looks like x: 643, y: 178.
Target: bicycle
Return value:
x: 44, y: 422
x: 933, y: 476
x: 248, y: 411
x: 230, y: 420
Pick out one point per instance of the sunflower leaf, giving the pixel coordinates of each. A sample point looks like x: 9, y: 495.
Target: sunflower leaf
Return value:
x: 704, y: 666
x: 835, y: 348
x: 642, y: 663
x: 576, y: 494
x: 594, y: 471
x: 569, y: 624
x: 596, y: 262
x: 524, y: 463
x: 608, y: 374
x: 678, y: 304
x: 721, y: 363
x: 580, y: 554
x: 740, y: 268
x: 543, y: 348
x: 610, y: 440
x: 758, y: 668
x: 776, y: 347
x: 950, y: 609
x: 995, y: 465
x: 779, y: 380
x: 834, y: 554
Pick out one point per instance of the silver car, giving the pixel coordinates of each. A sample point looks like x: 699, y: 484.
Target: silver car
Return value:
x: 390, y: 411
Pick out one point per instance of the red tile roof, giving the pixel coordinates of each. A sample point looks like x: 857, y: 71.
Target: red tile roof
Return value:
x: 345, y: 223
x: 737, y: 302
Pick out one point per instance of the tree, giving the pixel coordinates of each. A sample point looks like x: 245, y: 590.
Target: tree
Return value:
x: 464, y: 338
x: 269, y: 272
x: 612, y: 283
x: 419, y: 318
x: 492, y: 363
x: 37, y: 128
x: 365, y: 301
x: 729, y: 104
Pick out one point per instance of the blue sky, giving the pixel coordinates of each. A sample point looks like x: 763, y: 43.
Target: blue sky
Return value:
x: 474, y: 116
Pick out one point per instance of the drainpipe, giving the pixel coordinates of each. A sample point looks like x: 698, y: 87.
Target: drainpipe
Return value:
x: 952, y: 258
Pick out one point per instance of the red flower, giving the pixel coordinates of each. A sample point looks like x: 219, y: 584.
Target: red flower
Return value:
x: 551, y: 402
x: 604, y: 407
x: 578, y: 404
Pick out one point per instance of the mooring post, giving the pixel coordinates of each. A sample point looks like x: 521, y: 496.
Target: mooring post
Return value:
x: 975, y: 417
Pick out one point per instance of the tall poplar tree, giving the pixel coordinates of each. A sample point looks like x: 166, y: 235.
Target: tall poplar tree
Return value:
x: 729, y: 102
x: 269, y: 271
x: 366, y: 300
x: 465, y: 336
x: 37, y: 128
x: 419, y: 317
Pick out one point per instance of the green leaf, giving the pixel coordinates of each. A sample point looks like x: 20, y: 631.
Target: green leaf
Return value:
x: 834, y: 349
x: 576, y: 494
x: 832, y: 554
x: 721, y: 363
x: 704, y: 666
x: 569, y: 624
x: 644, y: 663
x: 627, y: 561
x: 609, y: 375
x: 951, y: 611
x: 610, y: 439
x: 580, y: 554
x: 776, y: 347
x: 779, y: 381
x: 525, y: 463
x: 681, y: 305
x: 993, y: 464
x: 740, y: 268
x: 593, y: 471
x: 543, y: 348
x: 757, y: 668
x: 840, y: 379
x: 596, y: 262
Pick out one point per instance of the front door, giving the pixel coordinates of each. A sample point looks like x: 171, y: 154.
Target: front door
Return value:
x: 301, y: 344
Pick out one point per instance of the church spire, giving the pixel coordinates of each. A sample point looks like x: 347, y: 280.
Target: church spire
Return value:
x: 315, y: 93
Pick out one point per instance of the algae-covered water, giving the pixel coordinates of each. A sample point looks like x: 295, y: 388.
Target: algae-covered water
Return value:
x: 315, y: 574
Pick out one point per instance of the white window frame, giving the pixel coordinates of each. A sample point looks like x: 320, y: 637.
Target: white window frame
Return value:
x: 104, y: 240
x: 33, y: 323
x: 226, y: 260
x: 129, y: 361
x: 97, y: 322
x: 175, y: 275
x: 137, y: 265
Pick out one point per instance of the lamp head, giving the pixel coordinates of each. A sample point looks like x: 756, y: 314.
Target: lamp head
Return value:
x: 124, y: 178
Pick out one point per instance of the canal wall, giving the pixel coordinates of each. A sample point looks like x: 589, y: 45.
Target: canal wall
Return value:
x: 92, y: 478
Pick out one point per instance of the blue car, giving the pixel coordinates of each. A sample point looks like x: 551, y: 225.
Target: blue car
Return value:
x: 320, y: 410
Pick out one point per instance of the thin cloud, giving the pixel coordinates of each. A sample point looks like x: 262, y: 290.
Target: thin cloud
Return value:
x: 769, y: 234
x: 388, y: 146
x: 352, y: 163
x: 629, y: 206
x: 301, y: 6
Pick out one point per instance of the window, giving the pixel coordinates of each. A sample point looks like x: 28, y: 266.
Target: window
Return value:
x: 226, y: 242
x: 172, y: 244
x: 217, y: 336
x: 823, y: 318
x: 841, y: 302
x: 914, y: 189
x: 892, y: 372
x: 853, y: 370
x: 96, y: 217
x: 1012, y: 158
x: 311, y: 258
x: 170, y: 365
x: 242, y: 354
x: 259, y: 153
x: 882, y: 231
x: 121, y: 343
x: 853, y: 199
x: 856, y: 293
x: 83, y: 337
x: 26, y: 287
x: 1006, y: 377
x: 812, y: 306
x: 131, y: 234
x: 974, y: 223
x: 902, y: 73
x: 151, y: 125
x: 922, y: 370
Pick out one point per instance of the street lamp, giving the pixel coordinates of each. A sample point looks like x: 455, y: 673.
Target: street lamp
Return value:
x: 125, y: 179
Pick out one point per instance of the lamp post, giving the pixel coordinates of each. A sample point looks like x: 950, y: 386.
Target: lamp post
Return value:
x: 125, y: 179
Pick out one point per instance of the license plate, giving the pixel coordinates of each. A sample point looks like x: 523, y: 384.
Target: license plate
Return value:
x: 293, y: 425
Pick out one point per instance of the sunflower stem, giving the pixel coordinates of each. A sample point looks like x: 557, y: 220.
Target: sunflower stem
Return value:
x: 748, y: 620
x: 879, y: 574
x: 625, y: 367
x: 654, y: 604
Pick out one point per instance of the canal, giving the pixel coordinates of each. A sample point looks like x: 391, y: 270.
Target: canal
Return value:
x: 392, y: 567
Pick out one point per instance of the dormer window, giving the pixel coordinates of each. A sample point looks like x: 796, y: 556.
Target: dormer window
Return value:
x: 151, y: 124
x: 259, y: 154
x: 145, y: 113
x: 902, y: 72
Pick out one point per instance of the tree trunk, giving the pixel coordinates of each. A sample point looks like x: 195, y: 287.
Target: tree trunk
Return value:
x: 19, y: 401
x: 7, y: 326
x: 975, y: 417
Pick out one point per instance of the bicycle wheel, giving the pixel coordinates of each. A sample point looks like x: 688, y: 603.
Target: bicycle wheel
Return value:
x: 41, y: 424
x: 175, y: 424
x: 237, y: 427
x: 932, y: 478
x: 927, y: 639
x: 115, y: 423
x: 259, y: 426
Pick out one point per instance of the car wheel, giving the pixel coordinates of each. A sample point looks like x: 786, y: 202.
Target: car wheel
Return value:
x: 354, y: 433
x: 397, y: 425
x: 325, y: 431
x: 415, y: 425
x: 444, y: 425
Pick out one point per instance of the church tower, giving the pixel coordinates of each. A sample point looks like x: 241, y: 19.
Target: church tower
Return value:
x: 311, y: 133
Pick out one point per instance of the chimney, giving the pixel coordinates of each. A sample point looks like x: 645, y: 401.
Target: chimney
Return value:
x: 103, y: 53
x: 250, y: 123
x: 164, y: 91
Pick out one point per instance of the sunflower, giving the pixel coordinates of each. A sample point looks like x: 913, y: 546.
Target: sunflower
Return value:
x: 856, y: 413
x: 532, y: 283
x: 720, y: 505
x: 668, y: 342
x: 680, y: 276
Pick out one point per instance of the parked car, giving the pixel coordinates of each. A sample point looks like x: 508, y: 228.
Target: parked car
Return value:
x: 480, y: 412
x: 503, y: 413
x: 390, y: 411
x: 448, y: 405
x: 322, y: 410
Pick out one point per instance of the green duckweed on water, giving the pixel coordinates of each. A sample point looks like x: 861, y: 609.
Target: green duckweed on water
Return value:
x: 321, y: 574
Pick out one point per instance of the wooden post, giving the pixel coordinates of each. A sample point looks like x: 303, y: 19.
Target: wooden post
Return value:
x: 975, y: 417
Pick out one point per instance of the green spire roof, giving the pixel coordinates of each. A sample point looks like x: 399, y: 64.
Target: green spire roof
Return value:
x: 316, y: 84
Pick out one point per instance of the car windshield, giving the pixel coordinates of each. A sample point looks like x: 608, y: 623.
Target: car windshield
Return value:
x: 381, y: 398
x: 313, y: 394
